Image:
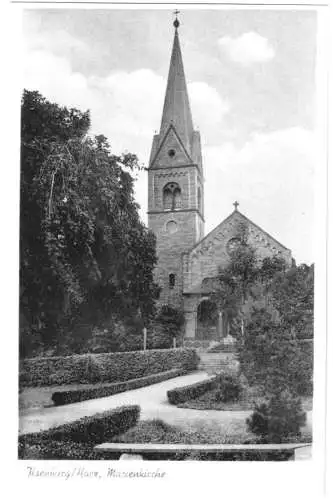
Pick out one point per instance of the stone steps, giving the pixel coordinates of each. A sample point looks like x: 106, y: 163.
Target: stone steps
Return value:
x: 216, y: 362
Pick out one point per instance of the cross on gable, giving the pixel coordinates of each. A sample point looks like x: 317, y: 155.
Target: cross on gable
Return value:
x: 235, y: 204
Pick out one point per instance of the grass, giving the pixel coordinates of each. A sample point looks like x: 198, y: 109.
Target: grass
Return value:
x: 157, y: 431
x: 35, y: 398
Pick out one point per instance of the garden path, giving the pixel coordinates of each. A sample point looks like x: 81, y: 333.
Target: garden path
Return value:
x: 154, y: 404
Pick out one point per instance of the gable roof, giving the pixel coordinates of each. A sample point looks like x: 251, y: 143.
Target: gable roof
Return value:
x: 246, y: 219
x: 159, y: 148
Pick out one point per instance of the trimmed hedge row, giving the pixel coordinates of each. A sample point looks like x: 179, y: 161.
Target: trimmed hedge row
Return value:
x: 108, y: 367
x: 96, y: 429
x: 75, y: 395
x: 226, y: 386
x: 182, y: 394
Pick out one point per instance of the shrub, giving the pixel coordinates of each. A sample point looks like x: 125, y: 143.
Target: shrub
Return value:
x: 278, y: 419
x: 75, y: 395
x: 228, y: 388
x: 57, y: 450
x: 166, y: 326
x: 93, y: 430
x: 271, y: 356
x: 108, y: 367
x: 158, y: 337
x: 182, y: 394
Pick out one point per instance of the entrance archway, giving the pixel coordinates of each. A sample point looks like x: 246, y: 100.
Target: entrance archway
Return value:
x: 207, y: 320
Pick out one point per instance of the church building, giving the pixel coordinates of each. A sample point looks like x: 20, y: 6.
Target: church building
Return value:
x: 187, y: 258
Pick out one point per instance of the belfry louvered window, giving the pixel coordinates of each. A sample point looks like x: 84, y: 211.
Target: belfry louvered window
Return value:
x: 172, y: 197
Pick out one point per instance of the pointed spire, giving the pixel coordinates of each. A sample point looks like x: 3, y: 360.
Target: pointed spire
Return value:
x: 176, y: 110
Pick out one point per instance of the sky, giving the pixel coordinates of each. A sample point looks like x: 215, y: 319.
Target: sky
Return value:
x: 251, y: 81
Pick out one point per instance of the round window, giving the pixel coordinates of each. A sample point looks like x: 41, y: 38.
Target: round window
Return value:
x: 171, y: 153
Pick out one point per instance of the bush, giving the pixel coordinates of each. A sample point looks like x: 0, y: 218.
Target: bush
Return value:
x: 158, y: 337
x: 228, y: 388
x: 48, y: 449
x: 166, y: 326
x: 75, y: 395
x: 108, y: 367
x: 78, y: 437
x: 271, y: 356
x: 96, y: 429
x: 182, y: 394
x: 278, y: 419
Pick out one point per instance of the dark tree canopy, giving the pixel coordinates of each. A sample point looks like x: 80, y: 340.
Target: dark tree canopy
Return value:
x: 84, y: 253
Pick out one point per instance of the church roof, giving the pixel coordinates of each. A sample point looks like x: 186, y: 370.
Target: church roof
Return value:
x: 176, y: 110
x: 245, y: 219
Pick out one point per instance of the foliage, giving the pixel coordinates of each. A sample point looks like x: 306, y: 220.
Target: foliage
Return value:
x: 166, y: 326
x: 158, y: 431
x: 75, y: 441
x: 293, y: 296
x: 95, y: 429
x: 172, y: 319
x: 107, y: 367
x: 272, y: 357
x: 183, y: 394
x: 100, y: 391
x: 234, y: 283
x: 84, y: 253
x: 278, y: 420
x: 228, y: 388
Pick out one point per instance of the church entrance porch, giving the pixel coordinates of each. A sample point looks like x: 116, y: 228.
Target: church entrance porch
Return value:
x: 205, y: 321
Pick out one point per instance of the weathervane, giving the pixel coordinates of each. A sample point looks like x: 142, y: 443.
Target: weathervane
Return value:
x: 176, y: 23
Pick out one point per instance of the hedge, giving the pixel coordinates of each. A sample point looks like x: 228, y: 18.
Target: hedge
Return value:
x: 96, y: 429
x: 182, y: 394
x: 58, y: 450
x: 108, y: 367
x: 227, y: 388
x: 75, y: 395
x: 75, y: 440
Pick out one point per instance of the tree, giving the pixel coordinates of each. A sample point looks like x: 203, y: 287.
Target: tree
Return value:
x: 271, y: 358
x: 292, y: 292
x: 234, y: 282
x: 165, y: 327
x: 84, y: 253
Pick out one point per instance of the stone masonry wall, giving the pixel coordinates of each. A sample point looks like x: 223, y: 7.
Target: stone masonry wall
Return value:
x: 211, y: 253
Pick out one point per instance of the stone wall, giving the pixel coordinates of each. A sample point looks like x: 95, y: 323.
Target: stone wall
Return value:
x: 176, y: 230
x: 211, y: 253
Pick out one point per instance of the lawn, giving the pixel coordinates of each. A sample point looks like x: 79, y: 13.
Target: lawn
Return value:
x: 35, y: 398
x: 157, y: 431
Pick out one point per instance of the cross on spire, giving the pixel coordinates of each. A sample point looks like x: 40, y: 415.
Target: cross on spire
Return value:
x: 235, y: 204
x: 176, y: 23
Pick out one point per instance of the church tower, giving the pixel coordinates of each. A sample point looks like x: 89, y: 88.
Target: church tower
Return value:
x: 175, y: 183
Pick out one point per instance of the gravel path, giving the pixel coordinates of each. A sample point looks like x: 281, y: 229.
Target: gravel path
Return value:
x: 154, y: 404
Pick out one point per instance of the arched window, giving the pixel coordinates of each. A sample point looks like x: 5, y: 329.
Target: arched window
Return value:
x: 199, y: 199
x: 172, y: 280
x: 172, y: 199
